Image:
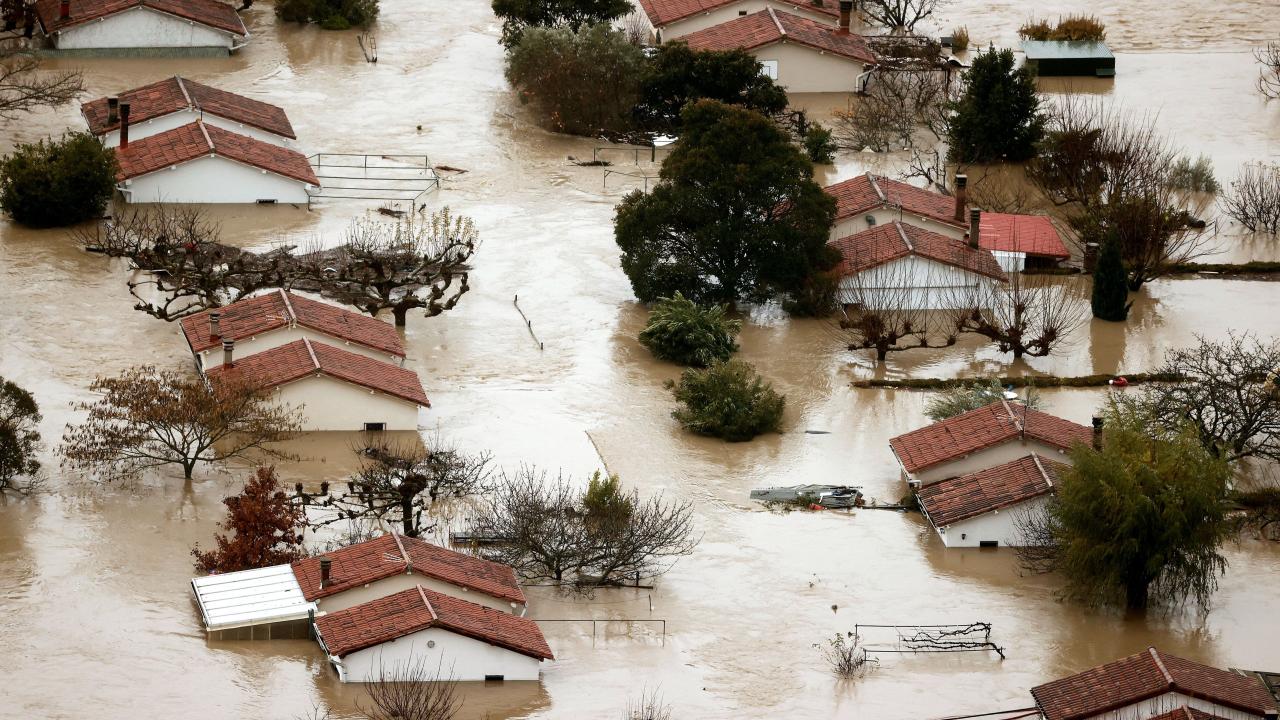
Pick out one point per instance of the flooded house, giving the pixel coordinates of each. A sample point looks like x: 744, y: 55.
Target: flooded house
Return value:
x: 897, y: 265
x: 280, y: 317
x: 1018, y: 241
x: 670, y: 19
x: 203, y: 163
x: 1050, y: 58
x: 141, y: 27
x: 984, y: 438
x: 336, y: 389
x: 802, y: 55
x: 982, y: 508
x: 395, y: 637
x: 1154, y: 685
x: 173, y: 102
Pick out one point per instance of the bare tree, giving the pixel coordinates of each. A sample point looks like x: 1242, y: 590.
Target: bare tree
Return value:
x: 24, y: 88
x: 900, y: 109
x: 1254, y: 198
x: 846, y: 656
x: 1028, y: 315
x: 412, y: 690
x: 885, y: 310
x: 1269, y: 75
x: 900, y: 15
x: 148, y: 418
x: 403, y: 483
x: 649, y: 706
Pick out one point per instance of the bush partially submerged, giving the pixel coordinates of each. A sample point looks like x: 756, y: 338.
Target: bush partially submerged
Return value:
x: 329, y: 14
x: 960, y: 39
x: 52, y: 183
x: 1193, y: 175
x: 1070, y: 28
x: 963, y: 398
x: 727, y: 400
x: 682, y: 331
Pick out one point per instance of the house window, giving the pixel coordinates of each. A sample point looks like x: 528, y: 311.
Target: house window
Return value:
x: 769, y: 68
x: 742, y: 13
x: 375, y: 427
x: 266, y: 201
x: 494, y: 678
x: 871, y: 220
x: 988, y: 543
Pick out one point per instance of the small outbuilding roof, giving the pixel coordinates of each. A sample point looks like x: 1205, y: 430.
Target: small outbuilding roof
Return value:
x: 888, y: 242
x: 212, y: 13
x: 196, y: 140
x: 982, y: 428
x: 1030, y: 234
x: 274, y: 310
x: 663, y: 12
x: 391, y: 554
x: 416, y: 609
x: 772, y: 26
x: 1145, y: 675
x: 302, y: 358
x: 984, y: 491
x: 1065, y: 49
x: 868, y: 192
x: 176, y: 94
x: 250, y: 597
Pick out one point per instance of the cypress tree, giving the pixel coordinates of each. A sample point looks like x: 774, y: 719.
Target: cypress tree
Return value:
x: 1110, y: 288
x: 997, y: 118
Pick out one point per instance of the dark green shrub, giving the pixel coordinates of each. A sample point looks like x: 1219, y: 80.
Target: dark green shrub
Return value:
x: 819, y: 146
x: 53, y: 183
x: 816, y: 297
x: 681, y: 331
x: 727, y: 400
x: 676, y: 76
x: 329, y: 14
x: 1110, y: 286
x: 998, y: 115
x: 1194, y: 175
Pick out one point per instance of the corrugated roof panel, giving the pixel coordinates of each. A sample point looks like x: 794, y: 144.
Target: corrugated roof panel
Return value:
x: 250, y: 597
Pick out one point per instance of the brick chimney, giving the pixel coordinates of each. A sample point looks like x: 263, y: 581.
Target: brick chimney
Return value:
x: 113, y: 110
x: 64, y: 10
x: 962, y: 195
x: 215, y: 325
x: 846, y: 10
x: 975, y: 221
x: 124, y: 124
x: 1097, y: 433
x: 228, y: 352
x: 326, y: 568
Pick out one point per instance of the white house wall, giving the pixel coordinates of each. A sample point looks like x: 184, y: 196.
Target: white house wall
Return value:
x: 405, y: 581
x: 913, y: 283
x: 724, y: 14
x: 807, y: 70
x: 214, y: 180
x: 329, y: 404
x: 1169, y: 702
x: 1010, y: 261
x: 157, y: 125
x: 999, y: 526
x: 858, y: 223
x: 245, y: 347
x: 463, y: 657
x: 141, y: 28
x: 988, y: 458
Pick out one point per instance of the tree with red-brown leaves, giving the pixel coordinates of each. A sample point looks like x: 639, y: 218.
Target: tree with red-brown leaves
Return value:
x: 267, y: 524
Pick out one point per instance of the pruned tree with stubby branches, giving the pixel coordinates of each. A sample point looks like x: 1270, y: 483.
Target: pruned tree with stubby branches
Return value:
x: 24, y: 87
x: 264, y: 527
x: 19, y: 439
x: 883, y: 312
x: 147, y: 418
x: 1029, y: 315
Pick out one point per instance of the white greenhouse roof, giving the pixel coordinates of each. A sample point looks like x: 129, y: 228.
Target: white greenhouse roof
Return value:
x: 250, y: 597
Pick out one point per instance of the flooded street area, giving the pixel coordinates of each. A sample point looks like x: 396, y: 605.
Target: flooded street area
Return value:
x: 96, y: 614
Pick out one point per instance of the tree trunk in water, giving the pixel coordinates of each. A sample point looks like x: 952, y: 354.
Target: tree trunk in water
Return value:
x: 882, y: 354
x: 188, y: 466
x: 1136, y: 593
x: 1135, y: 284
x: 401, y: 314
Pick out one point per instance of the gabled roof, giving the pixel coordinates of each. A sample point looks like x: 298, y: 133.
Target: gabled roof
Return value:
x: 1030, y: 234
x: 663, y: 12
x: 868, y: 192
x: 982, y: 428
x: 1146, y: 675
x: 176, y: 94
x: 197, y: 140
x: 388, y: 555
x: 416, y: 609
x: 264, y: 313
x: 215, y: 14
x: 771, y: 26
x: 888, y: 242
x: 303, y: 358
x: 984, y: 491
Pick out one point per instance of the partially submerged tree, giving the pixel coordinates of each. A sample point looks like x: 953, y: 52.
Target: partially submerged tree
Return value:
x: 649, y: 706
x: 1110, y: 299
x: 964, y: 397
x: 518, y: 16
x: 1253, y: 199
x: 736, y: 214
x: 19, y: 438
x: 412, y: 689
x: 1030, y: 315
x: 329, y: 14
x: 24, y: 88
x: 900, y: 109
x: 997, y: 117
x: 148, y: 418
x: 1269, y: 74
x: 1139, y: 521
x: 52, y: 183
x: 1259, y: 511
x: 583, y: 83
x: 681, y: 331
x: 884, y: 313
x: 676, y: 76
x: 900, y: 15
x: 267, y: 527
x: 727, y: 400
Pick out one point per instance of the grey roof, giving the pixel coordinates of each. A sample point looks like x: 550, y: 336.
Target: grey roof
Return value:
x: 1063, y: 49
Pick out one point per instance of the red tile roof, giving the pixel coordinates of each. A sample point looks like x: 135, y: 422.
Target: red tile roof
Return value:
x: 663, y: 12
x: 979, y: 493
x: 215, y: 14
x: 303, y: 358
x: 888, y: 242
x: 770, y: 26
x: 416, y: 609
x: 196, y: 140
x: 868, y: 192
x: 1146, y: 675
x: 176, y: 94
x: 1187, y: 713
x: 382, y: 557
x: 982, y: 428
x: 274, y: 310
x: 1030, y: 234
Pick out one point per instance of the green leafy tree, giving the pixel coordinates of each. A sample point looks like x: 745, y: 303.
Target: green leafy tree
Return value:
x: 19, y: 438
x: 998, y: 114
x: 329, y: 14
x: 819, y: 145
x: 1110, y: 285
x: 1139, y: 521
x: 52, y: 183
x: 735, y: 214
x: 727, y: 400
x: 676, y: 76
x: 583, y: 82
x: 521, y: 15
x: 681, y: 331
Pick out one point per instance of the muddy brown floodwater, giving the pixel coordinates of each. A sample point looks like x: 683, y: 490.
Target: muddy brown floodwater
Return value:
x: 95, y: 615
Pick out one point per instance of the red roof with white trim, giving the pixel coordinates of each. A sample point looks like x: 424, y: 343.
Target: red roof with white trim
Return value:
x: 984, y: 491
x: 176, y: 94
x: 196, y: 140
x: 885, y: 243
x: 664, y: 12
x: 1030, y: 234
x: 869, y: 191
x: 212, y: 13
x: 984, y: 427
x: 772, y: 26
